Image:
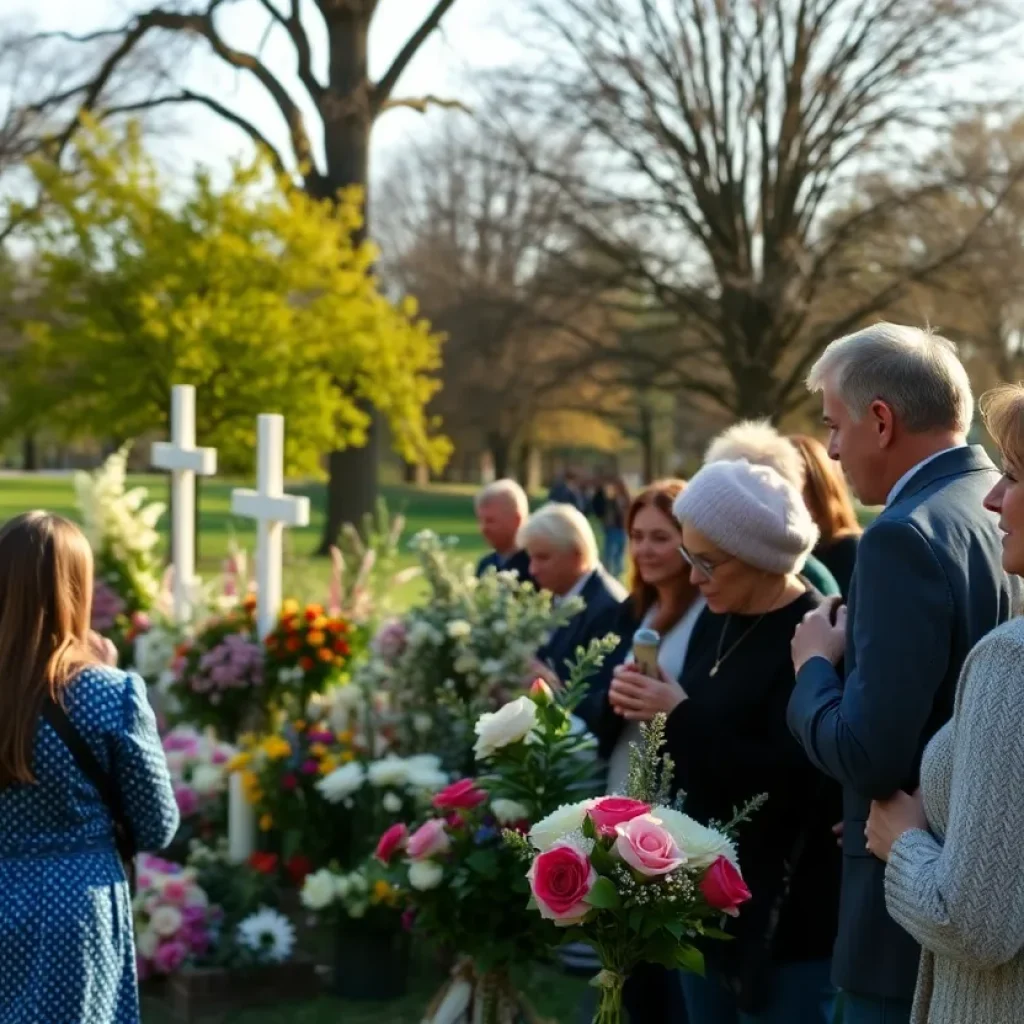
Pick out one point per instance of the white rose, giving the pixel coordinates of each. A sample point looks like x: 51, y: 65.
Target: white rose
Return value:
x: 342, y: 885
x: 422, y: 723
x: 702, y: 845
x: 319, y: 890
x: 166, y: 921
x: 459, y: 629
x: 207, y: 780
x: 425, y: 874
x: 558, y: 824
x: 510, y: 724
x: 342, y: 782
x: 391, y: 803
x: 146, y: 943
x: 508, y: 811
x: 391, y: 771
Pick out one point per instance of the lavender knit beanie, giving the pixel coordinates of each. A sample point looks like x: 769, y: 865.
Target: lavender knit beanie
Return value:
x: 751, y: 513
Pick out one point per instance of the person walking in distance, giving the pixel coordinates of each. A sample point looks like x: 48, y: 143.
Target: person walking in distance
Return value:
x: 928, y: 584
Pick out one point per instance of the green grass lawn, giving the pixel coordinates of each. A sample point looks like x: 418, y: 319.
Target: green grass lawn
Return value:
x: 447, y: 510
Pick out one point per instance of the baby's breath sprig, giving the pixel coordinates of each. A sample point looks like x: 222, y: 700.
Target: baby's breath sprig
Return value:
x: 650, y: 772
x: 740, y: 815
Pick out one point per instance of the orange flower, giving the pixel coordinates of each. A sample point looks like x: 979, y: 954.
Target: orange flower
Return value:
x: 293, y: 644
x: 305, y: 663
x: 324, y: 654
x: 342, y: 647
x: 315, y: 638
x: 313, y: 612
x: 249, y: 603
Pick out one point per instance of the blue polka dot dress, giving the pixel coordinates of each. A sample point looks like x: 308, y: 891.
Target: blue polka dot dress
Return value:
x: 66, y: 946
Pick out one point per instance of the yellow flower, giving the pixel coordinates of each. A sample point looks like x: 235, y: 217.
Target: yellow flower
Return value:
x: 327, y: 765
x: 382, y: 892
x: 266, y: 823
x: 290, y: 607
x: 238, y: 762
x: 276, y: 748
x: 345, y: 737
x: 316, y: 638
x: 300, y: 725
x: 318, y: 750
x: 346, y: 756
x: 320, y: 623
x: 247, y: 739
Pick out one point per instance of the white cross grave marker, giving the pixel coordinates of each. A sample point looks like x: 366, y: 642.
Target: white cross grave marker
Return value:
x: 273, y: 510
x: 184, y: 460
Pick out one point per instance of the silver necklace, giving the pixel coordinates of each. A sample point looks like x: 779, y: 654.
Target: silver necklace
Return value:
x: 719, y: 656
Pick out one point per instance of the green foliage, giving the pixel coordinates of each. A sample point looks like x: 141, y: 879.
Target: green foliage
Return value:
x: 252, y: 291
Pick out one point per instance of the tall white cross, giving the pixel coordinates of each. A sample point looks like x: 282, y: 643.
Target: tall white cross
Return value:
x: 184, y: 460
x: 273, y: 510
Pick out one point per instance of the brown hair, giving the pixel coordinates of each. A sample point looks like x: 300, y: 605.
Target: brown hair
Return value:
x: 1002, y: 409
x: 660, y: 495
x: 45, y: 607
x: 825, y: 491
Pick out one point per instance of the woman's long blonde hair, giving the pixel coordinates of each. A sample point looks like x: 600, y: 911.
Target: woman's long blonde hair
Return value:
x: 46, y: 575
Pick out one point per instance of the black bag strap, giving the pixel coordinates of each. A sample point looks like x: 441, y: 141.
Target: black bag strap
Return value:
x: 90, y: 766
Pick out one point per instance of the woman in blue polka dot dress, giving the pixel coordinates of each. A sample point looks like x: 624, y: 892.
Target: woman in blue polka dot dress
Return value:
x: 66, y: 945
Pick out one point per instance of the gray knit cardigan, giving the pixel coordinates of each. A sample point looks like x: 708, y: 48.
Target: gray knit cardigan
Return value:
x: 959, y: 888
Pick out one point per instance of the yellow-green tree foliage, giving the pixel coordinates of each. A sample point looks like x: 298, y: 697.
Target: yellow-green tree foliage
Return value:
x: 250, y: 290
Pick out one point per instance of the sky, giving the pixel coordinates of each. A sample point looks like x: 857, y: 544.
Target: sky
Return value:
x: 473, y: 38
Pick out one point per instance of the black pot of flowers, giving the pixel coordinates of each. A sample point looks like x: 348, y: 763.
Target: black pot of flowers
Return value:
x: 371, y: 959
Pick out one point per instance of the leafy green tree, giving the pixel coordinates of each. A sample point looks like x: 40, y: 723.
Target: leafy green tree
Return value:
x: 251, y: 290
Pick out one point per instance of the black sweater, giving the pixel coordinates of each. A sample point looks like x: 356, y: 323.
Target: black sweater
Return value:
x: 730, y: 742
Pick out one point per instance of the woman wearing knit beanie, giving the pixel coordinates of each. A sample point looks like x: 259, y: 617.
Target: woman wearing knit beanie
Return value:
x: 746, y: 535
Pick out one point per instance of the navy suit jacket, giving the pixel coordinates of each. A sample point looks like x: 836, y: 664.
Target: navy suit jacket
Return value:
x: 519, y: 562
x: 927, y: 585
x: 603, y: 595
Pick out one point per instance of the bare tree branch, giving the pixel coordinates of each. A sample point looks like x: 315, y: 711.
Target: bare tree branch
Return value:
x: 382, y: 91
x: 422, y: 104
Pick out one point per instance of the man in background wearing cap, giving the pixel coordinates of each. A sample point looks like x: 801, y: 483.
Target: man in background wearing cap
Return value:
x: 927, y: 585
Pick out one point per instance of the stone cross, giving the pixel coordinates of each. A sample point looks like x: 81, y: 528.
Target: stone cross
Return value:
x: 185, y: 461
x: 273, y: 510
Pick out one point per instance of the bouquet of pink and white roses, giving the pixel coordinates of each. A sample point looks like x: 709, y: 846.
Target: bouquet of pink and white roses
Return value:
x: 634, y: 877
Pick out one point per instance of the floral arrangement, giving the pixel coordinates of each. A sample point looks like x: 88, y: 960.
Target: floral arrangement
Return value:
x: 120, y: 525
x: 217, y: 676
x: 365, y: 895
x: 198, y: 764
x: 460, y: 652
x: 307, y: 652
x: 633, y: 877
x: 174, y: 921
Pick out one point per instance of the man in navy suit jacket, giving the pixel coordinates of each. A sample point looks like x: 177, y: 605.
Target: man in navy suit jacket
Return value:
x: 927, y: 586
x: 501, y: 510
x: 564, y: 561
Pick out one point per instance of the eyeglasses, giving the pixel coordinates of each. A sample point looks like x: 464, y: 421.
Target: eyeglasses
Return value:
x: 701, y: 564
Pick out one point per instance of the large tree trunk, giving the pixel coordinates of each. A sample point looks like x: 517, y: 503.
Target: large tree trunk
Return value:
x: 29, y: 453
x: 647, y: 441
x: 353, y: 473
x: 501, y: 452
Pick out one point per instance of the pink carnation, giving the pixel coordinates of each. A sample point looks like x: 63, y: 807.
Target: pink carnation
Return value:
x: 170, y: 956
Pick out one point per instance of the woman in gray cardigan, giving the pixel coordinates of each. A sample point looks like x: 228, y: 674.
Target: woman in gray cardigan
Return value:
x: 955, y: 849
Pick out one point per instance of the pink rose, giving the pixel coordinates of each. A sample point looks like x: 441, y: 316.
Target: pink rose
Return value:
x: 428, y: 839
x: 723, y: 887
x: 460, y: 796
x: 560, y: 880
x: 390, y: 843
x: 176, y: 891
x: 169, y: 956
x: 188, y: 802
x: 610, y: 811
x: 646, y: 845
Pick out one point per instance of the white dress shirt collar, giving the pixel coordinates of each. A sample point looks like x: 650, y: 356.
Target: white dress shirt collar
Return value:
x: 576, y: 589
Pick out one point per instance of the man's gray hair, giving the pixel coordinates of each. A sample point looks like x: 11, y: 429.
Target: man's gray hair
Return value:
x: 916, y: 372
x: 565, y: 528
x: 508, y: 491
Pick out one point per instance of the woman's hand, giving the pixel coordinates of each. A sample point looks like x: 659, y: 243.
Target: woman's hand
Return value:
x: 639, y: 698
x: 889, y: 819
x: 103, y: 649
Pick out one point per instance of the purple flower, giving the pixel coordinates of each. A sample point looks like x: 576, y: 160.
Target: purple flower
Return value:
x: 107, y: 606
x: 170, y: 956
x: 188, y: 802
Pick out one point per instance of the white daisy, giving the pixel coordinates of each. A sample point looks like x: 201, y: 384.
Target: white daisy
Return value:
x: 268, y: 934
